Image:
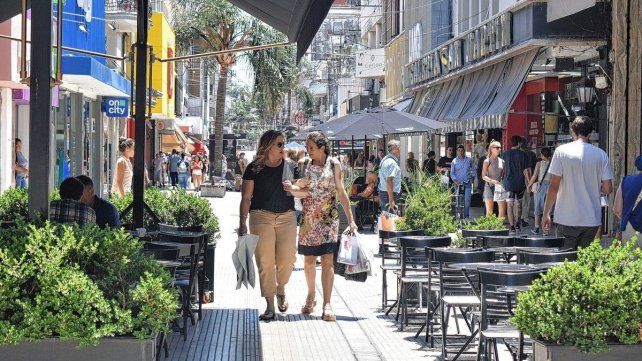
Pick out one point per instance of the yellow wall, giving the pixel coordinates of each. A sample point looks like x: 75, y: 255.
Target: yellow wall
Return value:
x: 396, y: 57
x: 163, y: 40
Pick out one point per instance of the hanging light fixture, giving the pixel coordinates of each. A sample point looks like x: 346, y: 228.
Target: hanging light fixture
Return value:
x: 585, y: 94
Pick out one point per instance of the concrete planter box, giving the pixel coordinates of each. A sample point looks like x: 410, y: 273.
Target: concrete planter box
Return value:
x: 616, y: 352
x: 216, y: 190
x: 109, y: 349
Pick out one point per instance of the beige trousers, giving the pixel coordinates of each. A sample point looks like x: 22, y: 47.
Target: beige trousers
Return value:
x: 276, y: 250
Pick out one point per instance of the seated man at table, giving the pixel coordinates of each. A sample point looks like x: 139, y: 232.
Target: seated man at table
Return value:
x: 69, y: 209
x: 106, y: 213
x: 368, y: 200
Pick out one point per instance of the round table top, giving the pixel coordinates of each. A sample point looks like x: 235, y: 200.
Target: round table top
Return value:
x: 514, y: 249
x: 494, y: 266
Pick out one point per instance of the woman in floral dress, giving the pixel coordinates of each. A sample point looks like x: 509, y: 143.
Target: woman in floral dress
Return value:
x: 322, y: 187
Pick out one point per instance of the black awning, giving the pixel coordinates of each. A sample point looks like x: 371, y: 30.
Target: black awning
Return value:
x: 481, y: 99
x: 298, y: 19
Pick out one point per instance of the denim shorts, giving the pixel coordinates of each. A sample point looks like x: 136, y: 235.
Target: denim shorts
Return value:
x: 540, y: 197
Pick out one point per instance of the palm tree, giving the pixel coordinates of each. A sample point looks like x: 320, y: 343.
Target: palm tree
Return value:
x: 216, y: 25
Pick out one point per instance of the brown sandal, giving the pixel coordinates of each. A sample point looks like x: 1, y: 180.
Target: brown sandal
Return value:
x: 328, y: 313
x: 282, y: 303
x: 309, y: 306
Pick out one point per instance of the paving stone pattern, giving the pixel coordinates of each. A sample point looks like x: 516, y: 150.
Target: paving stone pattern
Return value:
x: 230, y: 329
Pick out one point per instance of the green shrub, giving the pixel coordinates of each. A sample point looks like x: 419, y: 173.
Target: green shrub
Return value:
x: 427, y: 207
x: 587, y: 302
x: 14, y: 205
x: 491, y: 222
x: 79, y: 283
x: 176, y: 208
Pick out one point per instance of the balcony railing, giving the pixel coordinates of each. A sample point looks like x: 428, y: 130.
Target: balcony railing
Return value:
x: 115, y: 6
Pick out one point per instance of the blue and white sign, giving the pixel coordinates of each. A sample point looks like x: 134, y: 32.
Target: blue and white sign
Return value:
x: 116, y: 107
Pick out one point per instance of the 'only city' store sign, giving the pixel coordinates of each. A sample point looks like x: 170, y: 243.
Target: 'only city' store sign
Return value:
x: 116, y: 107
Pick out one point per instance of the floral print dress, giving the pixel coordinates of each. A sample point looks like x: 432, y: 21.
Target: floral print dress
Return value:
x: 320, y: 227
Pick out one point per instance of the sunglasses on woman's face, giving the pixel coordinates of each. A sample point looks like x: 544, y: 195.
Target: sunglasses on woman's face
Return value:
x: 279, y: 144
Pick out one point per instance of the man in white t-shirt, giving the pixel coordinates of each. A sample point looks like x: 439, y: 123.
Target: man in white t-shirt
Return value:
x: 580, y: 173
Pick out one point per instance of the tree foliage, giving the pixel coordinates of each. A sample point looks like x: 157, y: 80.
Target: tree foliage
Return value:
x: 275, y: 70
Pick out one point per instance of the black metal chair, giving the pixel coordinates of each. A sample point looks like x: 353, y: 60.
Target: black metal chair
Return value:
x: 496, y: 308
x: 545, y: 257
x: 168, y: 257
x: 390, y: 261
x: 456, y: 291
x: 544, y: 242
x: 415, y: 266
x: 189, y: 276
x: 492, y: 241
x: 473, y: 235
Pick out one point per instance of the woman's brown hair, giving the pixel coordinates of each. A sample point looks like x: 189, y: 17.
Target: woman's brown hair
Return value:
x: 265, y: 142
x: 125, y: 143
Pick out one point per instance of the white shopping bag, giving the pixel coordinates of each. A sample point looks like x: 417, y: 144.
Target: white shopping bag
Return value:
x: 348, y: 249
x: 362, y: 265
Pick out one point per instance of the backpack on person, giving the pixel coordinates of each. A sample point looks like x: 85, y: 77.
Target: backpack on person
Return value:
x: 635, y: 217
x: 182, y: 167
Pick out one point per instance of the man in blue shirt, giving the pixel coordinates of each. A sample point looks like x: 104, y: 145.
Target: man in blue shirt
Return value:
x: 106, y: 213
x: 174, y: 160
x: 390, y: 178
x: 461, y: 172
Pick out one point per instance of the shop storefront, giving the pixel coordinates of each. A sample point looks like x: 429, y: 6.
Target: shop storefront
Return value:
x: 507, y: 76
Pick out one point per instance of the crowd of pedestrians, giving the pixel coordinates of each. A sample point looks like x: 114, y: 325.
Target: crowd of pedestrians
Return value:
x: 178, y: 170
x: 568, y: 187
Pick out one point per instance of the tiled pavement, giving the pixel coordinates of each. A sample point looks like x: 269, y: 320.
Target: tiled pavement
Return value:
x: 230, y: 329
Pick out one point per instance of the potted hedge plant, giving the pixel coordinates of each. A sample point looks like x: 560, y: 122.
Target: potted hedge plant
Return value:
x: 590, y: 309
x: 484, y: 226
x: 70, y: 293
x: 427, y: 207
x: 177, y: 208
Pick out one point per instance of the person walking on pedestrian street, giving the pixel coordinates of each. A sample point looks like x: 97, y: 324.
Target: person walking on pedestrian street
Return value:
x: 106, y: 213
x: 319, y: 232
x: 492, y: 174
x: 183, y: 172
x: 390, y: 178
x: 174, y: 161
x: 462, y: 172
x: 271, y: 218
x: 580, y: 174
x: 627, y: 206
x: 124, y: 172
x: 531, y: 160
x: 516, y: 173
x: 165, y: 174
x: 159, y: 164
x: 538, y: 183
x: 429, y: 166
x: 21, y: 166
x: 197, y: 172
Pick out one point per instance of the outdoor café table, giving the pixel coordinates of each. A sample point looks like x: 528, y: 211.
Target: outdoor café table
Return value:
x: 501, y: 267
x: 509, y: 252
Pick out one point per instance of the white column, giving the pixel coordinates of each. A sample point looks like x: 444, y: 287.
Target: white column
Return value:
x: 6, y: 139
